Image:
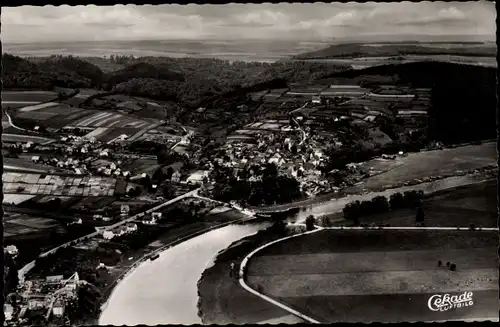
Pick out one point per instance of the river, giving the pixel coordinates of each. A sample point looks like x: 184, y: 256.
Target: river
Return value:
x: 164, y: 291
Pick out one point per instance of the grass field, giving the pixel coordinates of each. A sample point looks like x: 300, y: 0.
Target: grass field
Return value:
x: 366, y: 276
x: 14, y: 138
x: 32, y: 96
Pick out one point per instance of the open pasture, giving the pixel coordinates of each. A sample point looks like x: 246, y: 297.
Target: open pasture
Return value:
x: 356, y: 270
x: 16, y: 198
x: 28, y: 96
x: 12, y: 105
x: 14, y: 138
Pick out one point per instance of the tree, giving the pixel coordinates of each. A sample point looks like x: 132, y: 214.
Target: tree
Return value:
x: 440, y: 263
x: 380, y: 204
x: 170, y: 172
x: 420, y: 217
x: 310, y: 222
x: 453, y: 267
x: 396, y: 201
x: 279, y: 227
x: 158, y: 175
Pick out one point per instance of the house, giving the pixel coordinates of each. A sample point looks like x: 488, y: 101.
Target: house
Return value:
x: 11, y: 249
x: 197, y: 177
x: 58, y: 308
x: 157, y: 215
x: 76, y: 221
x: 34, y: 304
x: 105, y: 218
x: 176, y: 177
x: 316, y: 99
x: 35, y: 159
x: 131, y: 227
x: 124, y: 209
x: 54, y: 279
x: 8, y: 310
x: 149, y: 220
x: 97, y: 217
x: 107, y: 234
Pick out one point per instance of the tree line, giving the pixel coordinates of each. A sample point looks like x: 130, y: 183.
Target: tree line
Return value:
x: 380, y: 204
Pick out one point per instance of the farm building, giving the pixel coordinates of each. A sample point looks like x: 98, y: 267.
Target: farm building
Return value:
x: 197, y: 177
x: 11, y: 249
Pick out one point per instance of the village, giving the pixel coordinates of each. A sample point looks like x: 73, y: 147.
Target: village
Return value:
x: 110, y: 187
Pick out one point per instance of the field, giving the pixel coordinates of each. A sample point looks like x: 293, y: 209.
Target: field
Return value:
x: 14, y: 138
x: 429, y: 163
x: 107, y: 124
x: 366, y: 276
x: 24, y: 164
x: 56, y: 116
x: 18, y: 224
x: 23, y: 183
x: 16, y: 198
x: 28, y: 96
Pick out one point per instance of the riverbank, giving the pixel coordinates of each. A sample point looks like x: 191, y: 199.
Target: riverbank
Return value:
x: 223, y: 301
x: 144, y: 293
x: 132, y: 259
x: 221, y: 298
x: 415, y: 168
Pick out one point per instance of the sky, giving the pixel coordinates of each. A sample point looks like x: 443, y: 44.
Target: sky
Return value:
x: 313, y: 21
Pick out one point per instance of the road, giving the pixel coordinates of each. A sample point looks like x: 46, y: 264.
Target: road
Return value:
x: 11, y: 123
x: 30, y: 265
x: 244, y: 263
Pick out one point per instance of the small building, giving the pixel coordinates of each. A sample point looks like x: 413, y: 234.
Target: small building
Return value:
x: 108, y: 234
x: 34, y: 304
x: 157, y: 215
x: 54, y: 279
x: 122, y: 230
x: 197, y: 177
x: 11, y: 249
x: 35, y: 159
x: 8, y: 310
x: 124, y: 209
x: 176, y: 177
x: 58, y: 308
x: 316, y: 99
x: 149, y: 220
x: 77, y: 221
x: 131, y: 227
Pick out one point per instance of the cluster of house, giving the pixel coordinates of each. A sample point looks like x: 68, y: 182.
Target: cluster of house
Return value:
x: 119, y: 231
x: 76, y: 165
x: 304, y: 163
x: 49, y: 296
x: 111, y: 169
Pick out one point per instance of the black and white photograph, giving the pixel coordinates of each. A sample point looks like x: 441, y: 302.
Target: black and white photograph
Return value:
x: 249, y: 163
